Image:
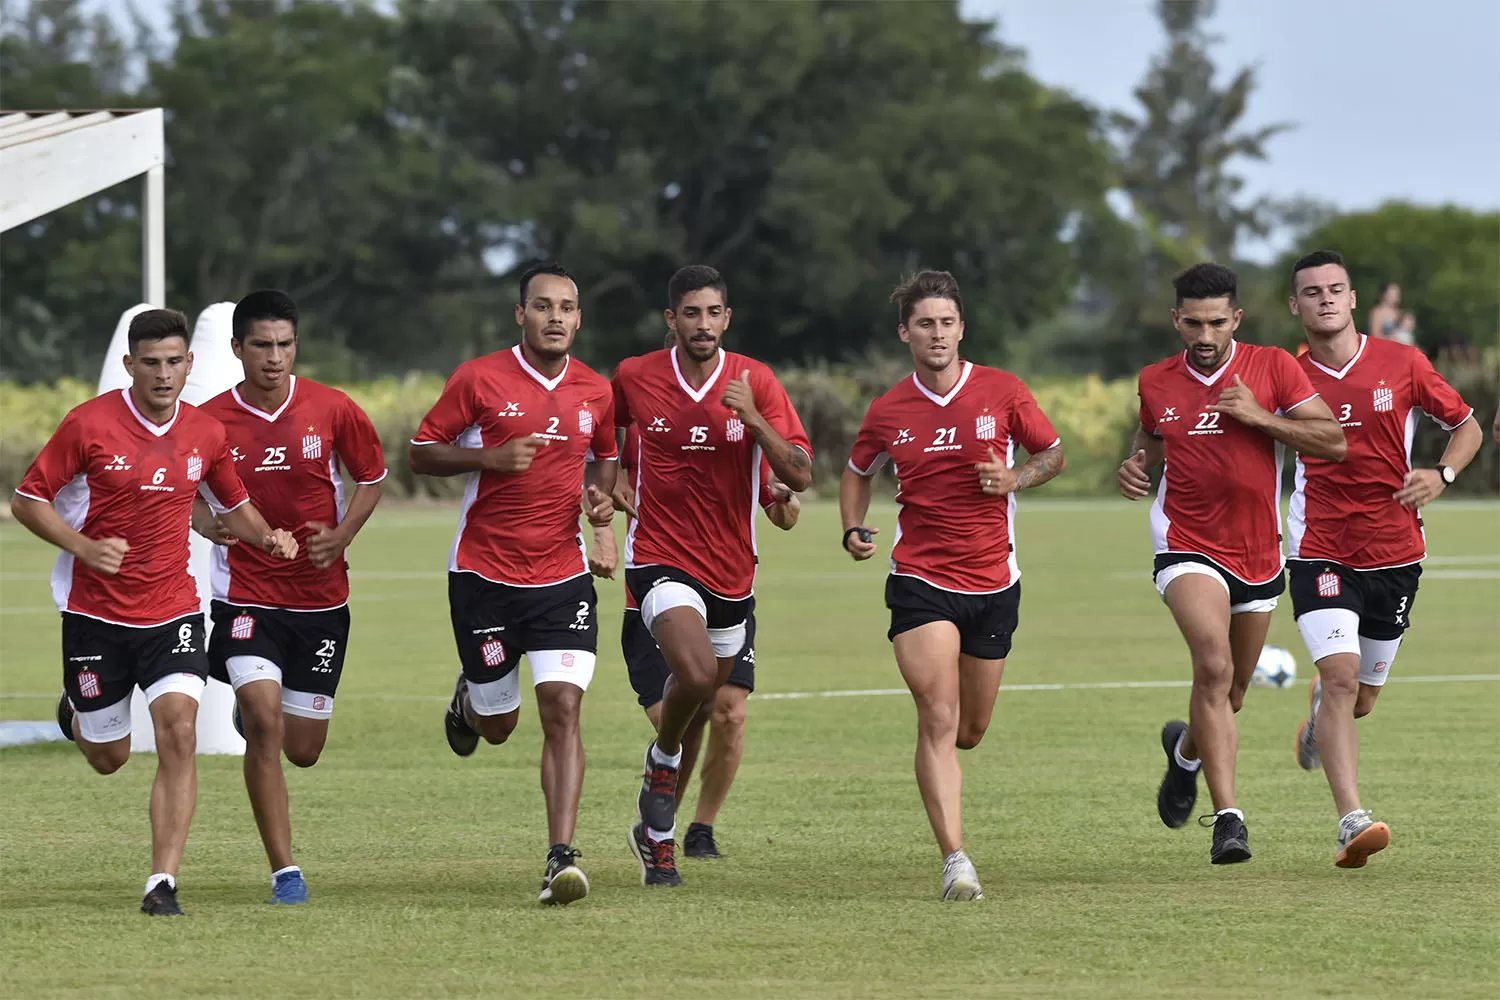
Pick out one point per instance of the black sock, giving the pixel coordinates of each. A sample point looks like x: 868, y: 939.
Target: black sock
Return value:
x: 557, y: 849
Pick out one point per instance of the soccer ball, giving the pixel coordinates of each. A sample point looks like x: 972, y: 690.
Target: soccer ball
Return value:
x: 1275, y: 669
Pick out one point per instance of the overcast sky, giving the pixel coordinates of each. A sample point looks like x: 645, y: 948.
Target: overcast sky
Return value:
x: 1391, y: 98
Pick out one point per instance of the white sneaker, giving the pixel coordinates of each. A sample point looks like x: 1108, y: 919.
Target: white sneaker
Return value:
x: 960, y: 880
x: 1359, y: 837
x: 1308, y: 757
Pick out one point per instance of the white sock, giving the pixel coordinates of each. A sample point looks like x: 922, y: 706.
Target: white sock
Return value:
x: 282, y: 871
x: 1232, y: 812
x: 1183, y: 762
x: 662, y: 836
x: 158, y: 879
x: 662, y: 757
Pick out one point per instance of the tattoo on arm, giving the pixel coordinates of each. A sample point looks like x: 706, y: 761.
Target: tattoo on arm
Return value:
x: 1040, y: 467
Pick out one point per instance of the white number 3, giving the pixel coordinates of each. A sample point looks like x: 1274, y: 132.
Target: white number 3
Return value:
x: 1344, y: 412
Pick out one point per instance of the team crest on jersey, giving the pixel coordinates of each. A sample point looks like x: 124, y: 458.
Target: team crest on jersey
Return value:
x: 493, y: 653
x: 585, y: 422
x: 984, y: 427
x: 1385, y: 399
x: 243, y: 627
x: 734, y: 430
x: 1329, y: 585
x: 194, y: 468
x: 88, y: 684
x: 312, y: 445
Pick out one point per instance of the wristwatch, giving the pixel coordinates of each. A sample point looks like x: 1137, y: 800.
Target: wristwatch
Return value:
x: 1447, y: 473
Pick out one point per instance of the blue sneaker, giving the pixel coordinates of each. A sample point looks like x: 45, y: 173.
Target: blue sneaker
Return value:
x: 290, y: 888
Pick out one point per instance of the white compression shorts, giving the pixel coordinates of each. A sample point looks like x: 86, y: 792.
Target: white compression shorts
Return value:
x: 671, y: 594
x: 244, y: 670
x: 570, y: 666
x: 1330, y: 631
x: 1165, y: 576
x: 105, y: 725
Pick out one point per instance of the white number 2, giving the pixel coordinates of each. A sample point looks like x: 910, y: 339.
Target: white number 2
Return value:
x: 1344, y: 412
x: 945, y: 435
x: 551, y: 426
x: 1208, y: 421
x: 698, y: 435
x: 159, y: 477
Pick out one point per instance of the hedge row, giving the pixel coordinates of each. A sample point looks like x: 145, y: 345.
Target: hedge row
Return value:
x: 1095, y: 419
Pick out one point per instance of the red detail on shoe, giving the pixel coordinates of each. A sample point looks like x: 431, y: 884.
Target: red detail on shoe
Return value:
x: 661, y: 780
x: 663, y: 854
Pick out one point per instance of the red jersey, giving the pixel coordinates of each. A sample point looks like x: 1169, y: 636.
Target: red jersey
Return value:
x: 697, y: 468
x: 289, y: 462
x: 111, y: 473
x: 1220, y: 493
x: 521, y: 529
x: 627, y: 466
x: 1343, y: 511
x: 949, y: 534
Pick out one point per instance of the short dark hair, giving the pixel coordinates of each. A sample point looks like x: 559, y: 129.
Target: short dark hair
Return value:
x: 267, y: 303
x: 156, y: 324
x: 1206, y: 281
x: 926, y: 285
x: 690, y: 279
x: 537, y: 270
x: 1317, y: 259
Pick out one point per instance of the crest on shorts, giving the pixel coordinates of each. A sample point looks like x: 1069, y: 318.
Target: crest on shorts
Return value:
x: 320, y: 703
x: 1385, y: 399
x: 88, y: 684
x: 243, y: 627
x: 734, y: 430
x: 984, y: 427
x: 493, y: 653
x: 194, y: 467
x: 585, y: 422
x: 1329, y: 585
x: 312, y: 445
x: 568, y: 660
x: 1381, y: 665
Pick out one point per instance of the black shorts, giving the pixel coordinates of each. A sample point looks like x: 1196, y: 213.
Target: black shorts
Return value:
x: 721, y: 611
x: 985, y: 622
x: 649, y: 670
x: 1240, y: 592
x: 102, y: 661
x: 1381, y: 597
x: 496, y: 624
x: 308, y: 646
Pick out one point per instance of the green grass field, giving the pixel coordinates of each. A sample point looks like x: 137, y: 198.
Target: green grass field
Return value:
x: 424, y: 868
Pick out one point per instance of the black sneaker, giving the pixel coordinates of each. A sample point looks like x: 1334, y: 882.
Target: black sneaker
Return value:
x: 462, y: 738
x: 1231, y: 839
x: 65, y: 716
x: 658, y: 861
x: 699, y: 842
x: 234, y: 717
x: 161, y: 902
x: 1178, y: 791
x: 563, y: 882
x: 657, y: 802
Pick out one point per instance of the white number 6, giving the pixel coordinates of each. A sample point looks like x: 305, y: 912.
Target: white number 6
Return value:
x: 159, y: 477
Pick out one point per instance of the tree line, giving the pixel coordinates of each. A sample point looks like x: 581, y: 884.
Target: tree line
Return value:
x: 394, y: 167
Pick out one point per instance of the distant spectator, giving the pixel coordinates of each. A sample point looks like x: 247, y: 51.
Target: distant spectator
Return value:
x: 1406, y: 330
x: 1386, y: 315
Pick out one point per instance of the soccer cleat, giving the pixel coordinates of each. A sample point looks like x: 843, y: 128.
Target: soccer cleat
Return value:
x: 657, y: 802
x: 1308, y: 757
x: 1231, y: 839
x: 1178, y: 791
x: 161, y: 901
x: 699, y: 842
x: 1359, y: 837
x: 462, y: 738
x: 65, y: 716
x: 289, y: 889
x: 239, y: 723
x: 960, y: 880
x: 658, y: 864
x: 563, y: 882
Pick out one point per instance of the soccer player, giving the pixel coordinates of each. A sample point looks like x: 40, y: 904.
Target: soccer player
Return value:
x: 950, y: 433
x: 726, y: 721
x: 113, y: 488
x: 281, y: 628
x: 1217, y: 414
x: 1354, y: 532
x: 521, y: 424
x: 705, y: 418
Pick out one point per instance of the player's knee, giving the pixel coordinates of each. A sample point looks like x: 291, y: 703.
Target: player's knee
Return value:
x: 177, y: 738
x: 107, y: 758
x: 1364, y: 702
x: 303, y: 756
x: 263, y: 724
x: 496, y: 729
x: 969, y: 736
x: 938, y: 720
x: 1213, y: 672
x: 729, y: 713
x: 1340, y: 684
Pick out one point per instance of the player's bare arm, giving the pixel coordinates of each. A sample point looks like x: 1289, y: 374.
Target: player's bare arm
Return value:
x: 1145, y: 453
x: 438, y: 459
x: 1422, y: 486
x: 787, y: 508
x: 790, y: 463
x: 996, y: 479
x: 1308, y: 427
x: 623, y: 496
x: 599, y: 480
x: 247, y: 524
x: 328, y: 542
x: 102, y: 555
x: 206, y: 523
x: 854, y: 504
